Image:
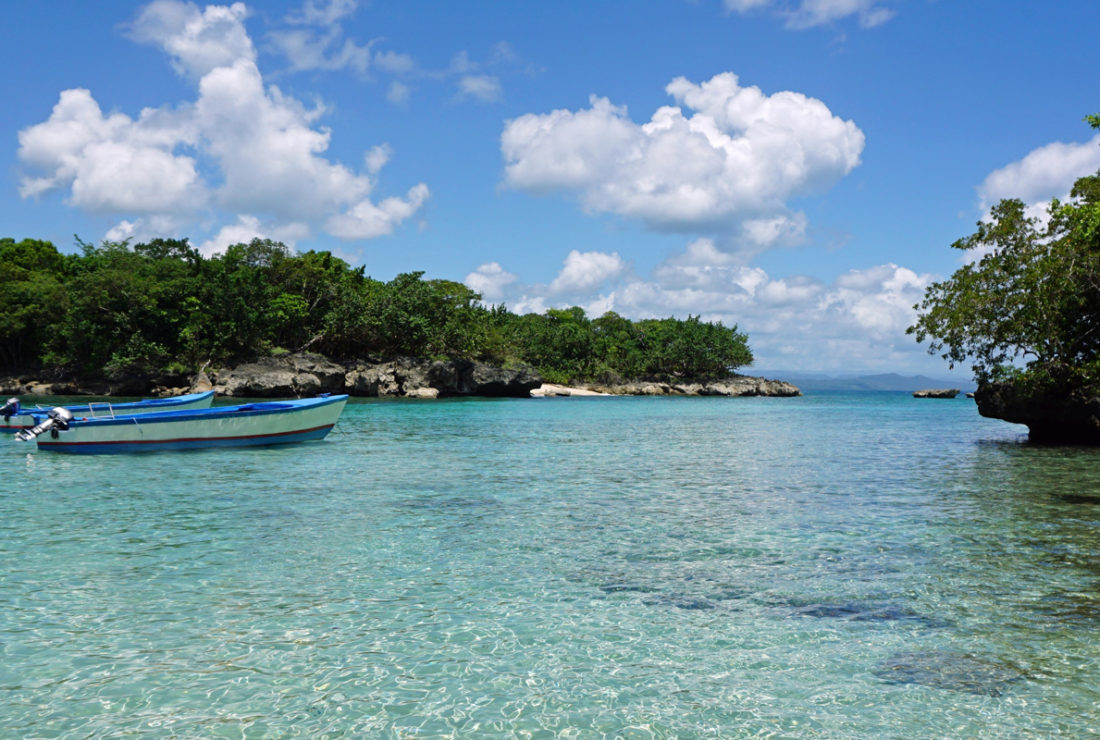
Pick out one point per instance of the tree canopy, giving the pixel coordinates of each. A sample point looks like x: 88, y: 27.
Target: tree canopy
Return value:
x: 1028, y: 309
x: 116, y: 309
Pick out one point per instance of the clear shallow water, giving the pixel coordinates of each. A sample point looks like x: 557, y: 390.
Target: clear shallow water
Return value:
x: 839, y: 565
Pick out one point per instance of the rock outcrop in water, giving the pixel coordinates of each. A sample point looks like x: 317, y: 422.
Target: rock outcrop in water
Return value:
x: 738, y: 385
x: 1073, y: 418
x: 972, y: 674
x: 936, y: 393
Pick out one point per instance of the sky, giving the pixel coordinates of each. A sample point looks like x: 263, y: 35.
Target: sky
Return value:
x: 797, y: 168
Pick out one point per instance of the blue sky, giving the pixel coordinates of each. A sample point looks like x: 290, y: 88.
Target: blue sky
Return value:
x: 796, y: 167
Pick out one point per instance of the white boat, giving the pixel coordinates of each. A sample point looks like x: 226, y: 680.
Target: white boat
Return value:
x: 250, y: 424
x: 14, y: 416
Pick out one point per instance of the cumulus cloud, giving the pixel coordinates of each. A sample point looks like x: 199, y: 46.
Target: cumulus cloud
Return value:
x: 198, y: 40
x: 856, y: 322
x: 1044, y: 173
x: 263, y: 151
x: 490, y: 280
x: 811, y: 13
x: 143, y: 228
x: 729, y: 167
x: 584, y: 270
x: 111, y: 163
x: 246, y: 229
x: 367, y: 220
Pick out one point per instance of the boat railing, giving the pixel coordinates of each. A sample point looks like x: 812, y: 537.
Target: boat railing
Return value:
x: 91, y: 409
x: 110, y: 409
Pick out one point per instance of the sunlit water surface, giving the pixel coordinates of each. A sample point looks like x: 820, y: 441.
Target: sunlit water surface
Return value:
x: 838, y: 565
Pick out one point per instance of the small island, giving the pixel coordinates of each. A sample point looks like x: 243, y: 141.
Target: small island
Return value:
x: 936, y: 393
x: 1025, y: 310
x: 159, y: 318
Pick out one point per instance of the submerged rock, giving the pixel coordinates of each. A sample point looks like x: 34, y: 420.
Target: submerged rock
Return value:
x: 951, y: 670
x: 618, y: 588
x: 859, y: 611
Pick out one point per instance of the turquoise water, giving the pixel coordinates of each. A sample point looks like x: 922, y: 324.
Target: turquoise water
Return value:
x: 838, y: 565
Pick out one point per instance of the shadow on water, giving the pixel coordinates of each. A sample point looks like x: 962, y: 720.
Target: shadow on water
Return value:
x: 954, y: 671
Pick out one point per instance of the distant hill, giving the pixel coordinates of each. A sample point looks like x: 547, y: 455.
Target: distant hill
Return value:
x: 882, y: 382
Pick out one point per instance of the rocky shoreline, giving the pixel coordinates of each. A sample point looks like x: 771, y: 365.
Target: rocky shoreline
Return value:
x: 741, y: 385
x: 1050, y: 419
x: 936, y: 393
x: 307, y: 374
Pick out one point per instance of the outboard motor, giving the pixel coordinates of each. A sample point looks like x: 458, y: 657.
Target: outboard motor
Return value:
x: 57, y: 420
x: 10, y: 409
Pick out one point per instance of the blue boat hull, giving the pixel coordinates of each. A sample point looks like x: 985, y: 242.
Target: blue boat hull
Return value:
x: 109, y: 448
x: 247, y: 425
x: 24, y: 419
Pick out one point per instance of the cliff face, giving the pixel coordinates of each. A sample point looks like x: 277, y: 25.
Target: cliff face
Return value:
x: 308, y: 374
x: 1073, y: 418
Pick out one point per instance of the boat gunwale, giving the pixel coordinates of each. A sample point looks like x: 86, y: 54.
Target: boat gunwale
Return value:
x: 255, y: 408
x: 145, y: 403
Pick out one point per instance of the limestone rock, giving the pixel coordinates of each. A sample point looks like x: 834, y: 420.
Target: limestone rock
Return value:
x: 936, y: 393
x: 303, y: 374
x: 416, y: 378
x: 373, y: 380
x: 1071, y: 418
x: 201, y: 383
x: 746, y: 385
x: 738, y: 385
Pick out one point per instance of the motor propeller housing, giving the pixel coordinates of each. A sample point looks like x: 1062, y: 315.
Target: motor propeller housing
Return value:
x: 57, y: 419
x: 10, y: 408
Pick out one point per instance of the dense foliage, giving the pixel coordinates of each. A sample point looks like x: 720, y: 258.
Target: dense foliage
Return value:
x: 1029, y: 310
x: 116, y: 309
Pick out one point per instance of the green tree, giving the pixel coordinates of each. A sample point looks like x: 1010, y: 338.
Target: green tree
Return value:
x: 559, y: 343
x: 675, y: 349
x: 425, y: 318
x: 1028, y: 309
x: 32, y: 302
x: 121, y: 310
x: 617, y: 349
